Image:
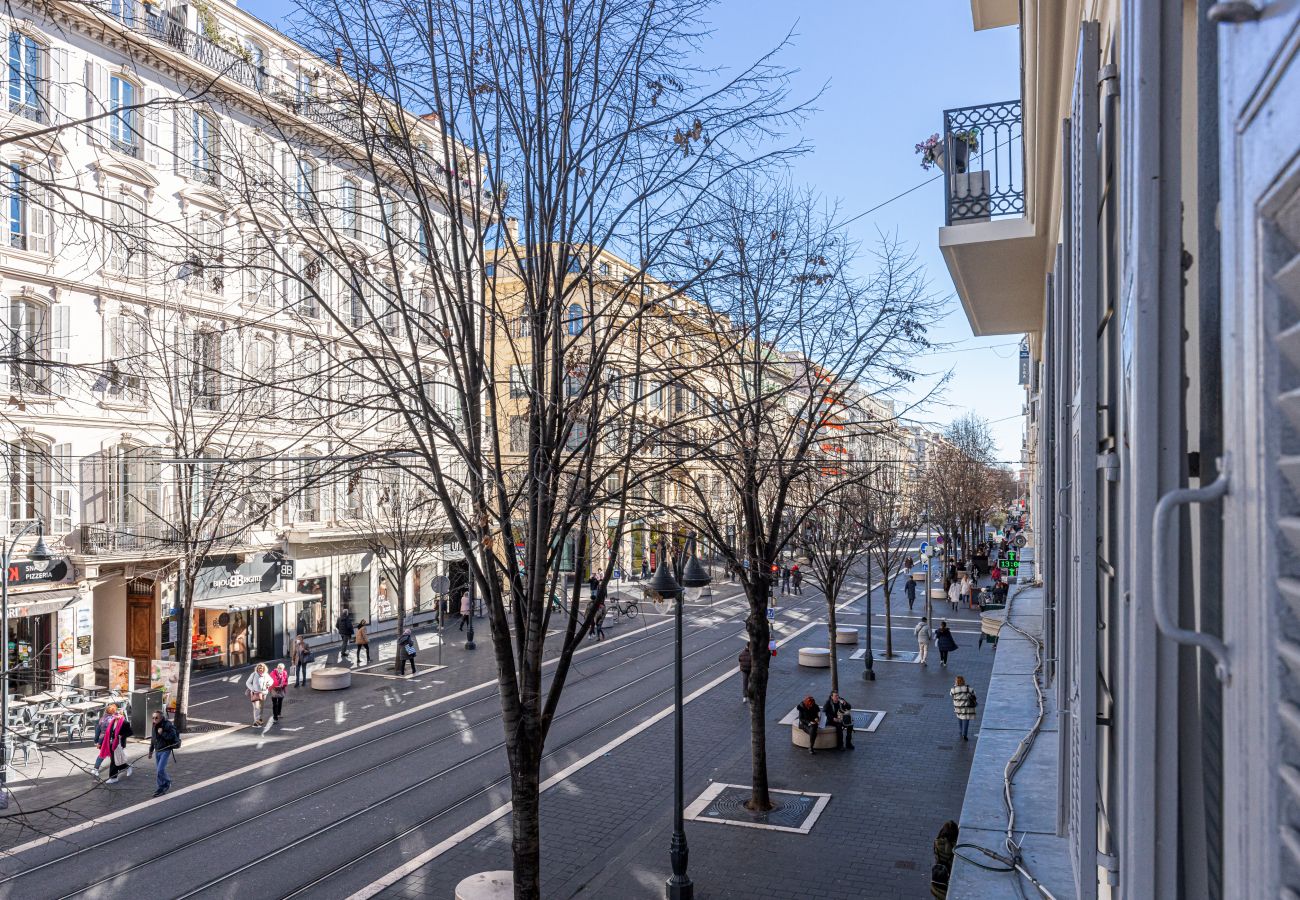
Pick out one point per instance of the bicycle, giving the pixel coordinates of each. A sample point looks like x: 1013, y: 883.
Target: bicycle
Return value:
x: 627, y: 608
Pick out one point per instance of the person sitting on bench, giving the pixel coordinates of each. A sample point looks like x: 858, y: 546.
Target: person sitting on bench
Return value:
x: 809, y: 714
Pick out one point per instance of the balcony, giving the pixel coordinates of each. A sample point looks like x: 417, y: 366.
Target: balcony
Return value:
x: 163, y: 538
x: 993, y: 251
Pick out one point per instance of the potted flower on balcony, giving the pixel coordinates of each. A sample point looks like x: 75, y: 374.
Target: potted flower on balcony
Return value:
x: 964, y: 143
x: 931, y: 150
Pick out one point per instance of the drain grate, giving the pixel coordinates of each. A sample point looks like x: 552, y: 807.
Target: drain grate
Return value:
x: 725, y: 804
x: 910, y: 709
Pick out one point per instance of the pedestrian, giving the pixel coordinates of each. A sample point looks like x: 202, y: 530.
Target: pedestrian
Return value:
x: 363, y: 641
x: 100, y: 727
x: 796, y: 578
x: 599, y: 620
x: 162, y: 743
x: 407, y: 648
x: 113, y: 746
x: 279, y: 681
x: 952, y: 574
x: 746, y: 664
x: 257, y: 687
x: 345, y: 630
x: 966, y: 588
x: 300, y: 655
x: 944, y: 641
x: 964, y: 703
x: 785, y: 579
x: 944, y: 847
x: 809, y: 715
x: 997, y: 572
x: 839, y: 713
x: 954, y: 595
x: 923, y: 635
x: 909, y: 588
x: 465, y: 609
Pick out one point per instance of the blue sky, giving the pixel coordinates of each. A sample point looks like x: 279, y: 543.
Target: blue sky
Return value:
x: 890, y: 70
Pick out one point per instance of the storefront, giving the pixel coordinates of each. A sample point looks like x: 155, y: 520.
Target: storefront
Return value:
x: 241, y: 611
x: 50, y: 639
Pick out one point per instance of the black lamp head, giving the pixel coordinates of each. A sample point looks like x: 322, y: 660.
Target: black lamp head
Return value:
x: 40, y: 552
x: 695, y: 576
x: 663, y: 583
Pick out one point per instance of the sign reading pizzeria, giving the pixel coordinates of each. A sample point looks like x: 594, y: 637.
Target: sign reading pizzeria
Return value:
x: 28, y: 572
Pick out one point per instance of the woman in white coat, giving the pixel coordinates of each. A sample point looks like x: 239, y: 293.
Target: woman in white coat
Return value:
x: 257, y: 687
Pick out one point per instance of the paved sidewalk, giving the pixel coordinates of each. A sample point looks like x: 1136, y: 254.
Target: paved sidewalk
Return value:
x: 606, y: 829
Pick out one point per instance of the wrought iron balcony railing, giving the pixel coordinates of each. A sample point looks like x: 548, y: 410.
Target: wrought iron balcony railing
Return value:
x: 983, y: 162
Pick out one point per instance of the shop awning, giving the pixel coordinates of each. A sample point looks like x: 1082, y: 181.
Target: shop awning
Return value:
x: 252, y: 601
x: 39, y: 603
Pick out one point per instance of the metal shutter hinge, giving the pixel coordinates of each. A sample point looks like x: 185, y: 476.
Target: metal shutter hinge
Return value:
x: 1233, y: 12
x: 1110, y: 865
x: 1109, y: 463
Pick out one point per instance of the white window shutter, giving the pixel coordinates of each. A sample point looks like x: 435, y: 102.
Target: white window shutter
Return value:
x: 60, y: 345
x: 38, y: 217
x: 150, y: 116
x: 6, y: 348
x: 58, y: 85
x: 4, y: 46
x: 227, y: 147
x: 183, y: 134
x: 97, y: 102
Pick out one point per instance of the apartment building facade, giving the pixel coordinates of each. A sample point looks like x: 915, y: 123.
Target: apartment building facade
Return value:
x: 1135, y: 213
x: 153, y: 315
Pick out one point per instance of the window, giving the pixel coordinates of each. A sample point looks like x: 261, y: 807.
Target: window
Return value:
x: 127, y: 243
x: 29, y: 480
x: 518, y: 434
x: 124, y: 118
x: 575, y: 319
x: 126, y: 358
x: 521, y: 378
x: 348, y: 208
x: 28, y: 213
x: 305, y: 188
x: 524, y: 326
x: 302, y: 293
x: 27, y: 82
x: 259, y: 369
x: 255, y: 54
x: 309, y: 493
x: 389, y: 320
x: 134, y: 488
x: 259, y: 263
x: 204, y: 148
x: 205, y: 368
x: 61, y: 505
x: 205, y: 257
x: 28, y: 334
x: 357, y: 302
x: 604, y: 268
x: 122, y: 10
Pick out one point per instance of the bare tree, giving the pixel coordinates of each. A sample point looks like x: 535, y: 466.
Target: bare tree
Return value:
x: 804, y: 330
x: 891, y: 522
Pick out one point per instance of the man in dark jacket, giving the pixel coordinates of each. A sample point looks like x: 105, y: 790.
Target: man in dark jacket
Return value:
x: 839, y: 715
x: 746, y: 662
x: 162, y: 742
x: 809, y: 714
x: 796, y: 579
x: 345, y: 630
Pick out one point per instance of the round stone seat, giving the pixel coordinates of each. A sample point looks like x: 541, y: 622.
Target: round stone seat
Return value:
x: 498, y: 885
x: 825, y: 737
x: 331, y: 678
x: 938, y: 593
x: 846, y: 635
x: 815, y: 657
x: 918, y: 574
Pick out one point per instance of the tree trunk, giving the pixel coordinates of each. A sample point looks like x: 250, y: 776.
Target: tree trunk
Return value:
x: 760, y: 799
x: 889, y: 621
x: 526, y: 842
x: 185, y: 588
x: 830, y: 626
x: 401, y: 621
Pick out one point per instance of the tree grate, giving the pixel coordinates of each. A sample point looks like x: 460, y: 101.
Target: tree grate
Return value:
x: 724, y: 804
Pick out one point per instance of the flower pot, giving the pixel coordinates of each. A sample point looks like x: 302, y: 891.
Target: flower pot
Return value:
x: 960, y: 155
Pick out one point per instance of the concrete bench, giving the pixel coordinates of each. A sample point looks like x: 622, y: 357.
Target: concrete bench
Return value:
x: 825, y: 737
x: 846, y: 635
x: 331, y: 678
x: 815, y: 657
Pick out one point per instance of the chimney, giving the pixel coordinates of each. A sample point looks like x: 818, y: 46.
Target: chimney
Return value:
x: 512, y: 229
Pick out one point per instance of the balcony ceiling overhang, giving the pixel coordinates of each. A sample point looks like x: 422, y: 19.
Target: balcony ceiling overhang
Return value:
x: 994, y: 13
x: 998, y: 270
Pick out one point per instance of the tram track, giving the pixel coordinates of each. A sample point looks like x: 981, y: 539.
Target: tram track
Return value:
x: 387, y: 736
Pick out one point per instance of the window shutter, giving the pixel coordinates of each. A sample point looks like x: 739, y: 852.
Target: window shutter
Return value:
x: 94, y: 488
x: 227, y: 144
x: 183, y: 138
x: 230, y: 369
x: 150, y: 116
x: 58, y: 85
x: 60, y: 345
x: 4, y: 69
x: 96, y: 83
x: 61, y: 517
x: 38, y: 216
x: 7, y: 345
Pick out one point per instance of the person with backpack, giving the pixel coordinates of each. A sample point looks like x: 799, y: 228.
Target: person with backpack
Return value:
x: 279, y: 681
x: 162, y: 742
x: 964, y: 703
x: 796, y: 579
x: 944, y: 640
x: 406, y: 649
x: 345, y: 630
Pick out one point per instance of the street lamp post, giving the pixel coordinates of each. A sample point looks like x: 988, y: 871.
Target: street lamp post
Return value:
x: 39, y: 553
x: 679, y: 886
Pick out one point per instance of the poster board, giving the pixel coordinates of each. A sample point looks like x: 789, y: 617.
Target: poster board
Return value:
x: 121, y: 674
x: 165, y: 676
x: 66, y: 639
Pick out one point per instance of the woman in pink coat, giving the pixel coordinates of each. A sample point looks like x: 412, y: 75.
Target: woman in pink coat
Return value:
x: 114, y: 739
